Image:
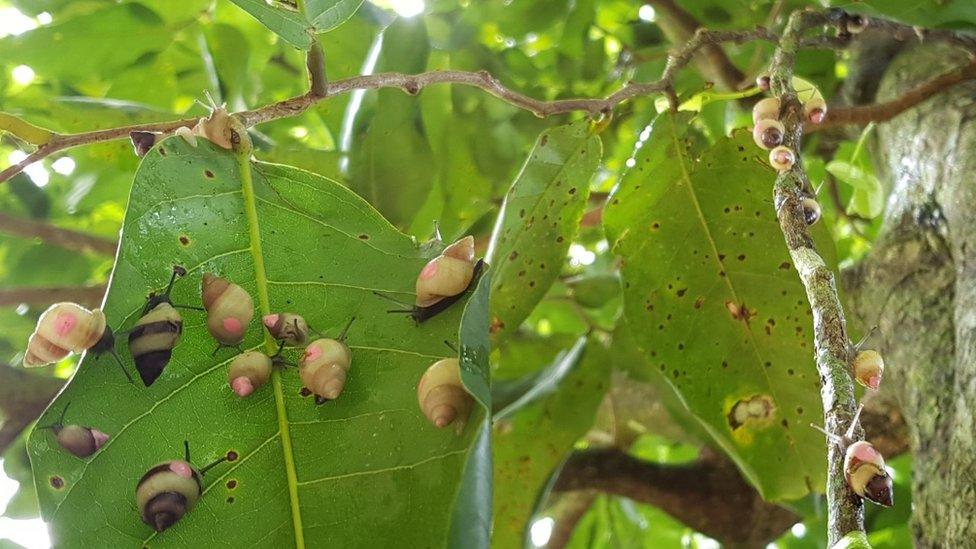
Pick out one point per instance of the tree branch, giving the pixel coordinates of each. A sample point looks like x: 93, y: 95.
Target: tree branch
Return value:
x: 709, y: 496
x: 845, y: 510
x: 23, y: 396
x: 412, y: 84
x: 90, y: 296
x: 881, y: 112
x: 49, y: 234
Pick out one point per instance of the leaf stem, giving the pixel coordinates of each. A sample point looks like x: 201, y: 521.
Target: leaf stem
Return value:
x: 243, y: 150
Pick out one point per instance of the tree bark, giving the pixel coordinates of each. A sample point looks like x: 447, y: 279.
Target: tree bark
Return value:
x: 919, y: 286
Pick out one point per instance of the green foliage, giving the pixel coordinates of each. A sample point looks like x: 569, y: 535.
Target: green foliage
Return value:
x: 713, y: 300
x: 187, y: 208
x: 538, y: 220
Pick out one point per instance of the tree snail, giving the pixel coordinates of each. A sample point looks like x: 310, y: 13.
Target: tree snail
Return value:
x: 811, y: 210
x: 287, y: 327
x: 156, y: 333
x: 443, y: 281
x: 65, y: 328
x: 768, y: 133
x: 766, y: 109
x: 442, y: 396
x: 169, y: 490
x: 249, y: 371
x: 782, y: 158
x: 324, y: 367
x: 229, y: 310
x: 79, y: 441
x: 864, y: 467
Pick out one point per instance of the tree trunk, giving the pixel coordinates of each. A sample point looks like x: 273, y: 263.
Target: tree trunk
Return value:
x: 919, y: 286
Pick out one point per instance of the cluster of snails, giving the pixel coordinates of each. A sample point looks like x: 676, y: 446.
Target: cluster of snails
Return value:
x: 170, y: 489
x: 864, y: 466
x: 769, y: 133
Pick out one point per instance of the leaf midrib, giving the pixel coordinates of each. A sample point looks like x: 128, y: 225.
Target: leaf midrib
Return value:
x: 261, y: 280
x: 728, y: 282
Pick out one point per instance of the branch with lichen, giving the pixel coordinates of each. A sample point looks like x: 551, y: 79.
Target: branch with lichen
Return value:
x: 845, y: 511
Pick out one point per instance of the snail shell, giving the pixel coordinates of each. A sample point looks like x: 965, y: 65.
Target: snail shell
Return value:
x: 442, y: 396
x: 248, y: 371
x: 152, y: 340
x: 65, y: 328
x: 216, y: 128
x: 229, y: 309
x: 448, y: 274
x: 287, y: 327
x: 324, y: 367
x: 869, y: 368
x: 80, y: 441
x: 865, y: 472
x: 167, y: 492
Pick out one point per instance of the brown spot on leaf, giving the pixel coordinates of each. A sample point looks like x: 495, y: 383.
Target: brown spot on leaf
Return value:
x: 208, y: 174
x: 231, y: 484
x: 232, y: 455
x: 757, y: 409
x: 184, y: 240
x: 57, y: 482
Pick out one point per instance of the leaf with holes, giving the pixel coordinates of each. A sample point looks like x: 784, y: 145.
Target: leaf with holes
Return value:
x: 539, y: 219
x: 303, y: 475
x: 713, y: 301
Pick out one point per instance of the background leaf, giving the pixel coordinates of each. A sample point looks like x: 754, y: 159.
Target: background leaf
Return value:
x: 287, y: 23
x: 711, y: 299
x: 538, y: 220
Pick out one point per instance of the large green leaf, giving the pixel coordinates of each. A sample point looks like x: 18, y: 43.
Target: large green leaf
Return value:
x: 713, y: 301
x: 539, y: 219
x: 366, y: 462
x: 535, y: 433
x: 326, y: 15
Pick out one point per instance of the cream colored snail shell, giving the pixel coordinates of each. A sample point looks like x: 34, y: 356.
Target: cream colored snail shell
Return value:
x: 768, y: 133
x: 782, y: 158
x: 167, y: 492
x: 80, y: 441
x: 869, y: 368
x: 65, y: 328
x: 864, y: 469
x: 766, y: 109
x: 448, y: 274
x: 442, y: 396
x: 248, y: 372
x: 324, y: 367
x: 287, y: 327
x: 216, y: 128
x: 815, y: 110
x: 229, y: 309
x: 811, y: 210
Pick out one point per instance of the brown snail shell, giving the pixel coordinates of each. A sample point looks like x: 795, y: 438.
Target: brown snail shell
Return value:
x: 167, y: 492
x: 287, y: 327
x: 324, y: 368
x: 442, y: 396
x: 248, y: 371
x: 229, y: 309
x: 152, y: 339
x: 80, y: 441
x: 448, y: 274
x: 65, y: 328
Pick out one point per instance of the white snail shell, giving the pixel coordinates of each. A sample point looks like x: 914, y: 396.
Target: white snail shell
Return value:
x: 869, y: 368
x: 864, y: 469
x: 62, y: 329
x: 448, y: 274
x: 324, y: 368
x: 442, y: 396
x: 248, y: 371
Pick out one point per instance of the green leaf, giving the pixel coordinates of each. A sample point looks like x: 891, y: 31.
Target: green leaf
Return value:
x: 535, y: 433
x: 287, y: 23
x: 539, y: 219
x: 853, y: 540
x: 326, y: 15
x: 712, y: 300
x: 869, y: 196
x: 366, y: 461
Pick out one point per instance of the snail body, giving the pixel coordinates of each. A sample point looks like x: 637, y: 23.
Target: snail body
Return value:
x: 156, y: 333
x: 229, y: 309
x: 324, y: 368
x: 77, y: 440
x: 249, y: 371
x: 167, y: 492
x: 287, y: 327
x: 864, y: 466
x: 442, y: 396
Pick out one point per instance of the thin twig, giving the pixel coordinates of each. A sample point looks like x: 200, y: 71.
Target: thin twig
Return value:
x: 680, y: 26
x: 49, y: 234
x: 881, y: 112
x: 315, y: 62
x: 90, y: 296
x: 845, y: 510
